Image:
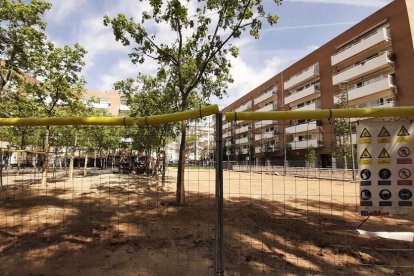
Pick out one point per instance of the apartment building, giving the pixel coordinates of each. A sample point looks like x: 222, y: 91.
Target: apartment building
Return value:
x: 110, y: 101
x: 372, y: 63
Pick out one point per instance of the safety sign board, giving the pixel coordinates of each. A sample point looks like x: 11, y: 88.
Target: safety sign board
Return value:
x: 385, y: 151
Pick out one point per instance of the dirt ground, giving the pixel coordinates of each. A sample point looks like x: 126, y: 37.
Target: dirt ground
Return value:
x: 118, y: 224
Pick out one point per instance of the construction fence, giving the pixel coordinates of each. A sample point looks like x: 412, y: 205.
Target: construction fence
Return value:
x: 276, y: 203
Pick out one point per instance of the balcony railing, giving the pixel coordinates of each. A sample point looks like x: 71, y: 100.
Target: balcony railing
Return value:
x: 227, y: 134
x: 367, y: 42
x: 242, y: 129
x: 123, y: 107
x: 100, y: 105
x: 263, y: 136
x: 244, y: 107
x: 302, y: 94
x: 263, y: 123
x: 269, y: 107
x: 312, y: 106
x: 303, y: 76
x: 242, y: 140
x: 363, y: 68
x: 264, y: 96
x: 305, y: 144
x: 260, y: 149
x: 371, y: 88
x: 302, y: 127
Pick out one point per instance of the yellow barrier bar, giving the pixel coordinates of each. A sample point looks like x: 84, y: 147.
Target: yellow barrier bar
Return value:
x: 112, y: 121
x: 322, y: 114
x: 28, y: 151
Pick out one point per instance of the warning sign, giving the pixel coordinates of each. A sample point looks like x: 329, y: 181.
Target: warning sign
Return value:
x: 386, y: 175
x: 384, y: 154
x: 365, y: 154
x: 365, y: 134
x: 384, y: 133
x: 403, y: 132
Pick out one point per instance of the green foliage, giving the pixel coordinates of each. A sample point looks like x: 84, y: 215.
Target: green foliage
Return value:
x: 310, y: 155
x: 22, y: 40
x: 198, y: 56
x: 342, y: 150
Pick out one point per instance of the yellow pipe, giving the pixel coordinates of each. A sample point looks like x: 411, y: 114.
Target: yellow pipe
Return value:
x: 28, y: 151
x: 323, y: 114
x: 113, y: 121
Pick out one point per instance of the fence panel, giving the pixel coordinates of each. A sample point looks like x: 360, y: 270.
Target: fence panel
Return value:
x: 292, y: 209
x: 115, y: 215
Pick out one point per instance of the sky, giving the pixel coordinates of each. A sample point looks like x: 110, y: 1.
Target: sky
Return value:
x: 304, y: 25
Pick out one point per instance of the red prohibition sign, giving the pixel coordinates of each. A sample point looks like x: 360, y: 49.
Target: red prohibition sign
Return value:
x: 404, y: 173
x: 404, y: 151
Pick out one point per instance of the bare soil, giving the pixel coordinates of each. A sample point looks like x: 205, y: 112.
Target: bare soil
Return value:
x: 117, y: 224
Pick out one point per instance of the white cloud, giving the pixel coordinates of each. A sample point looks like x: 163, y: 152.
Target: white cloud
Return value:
x: 123, y: 69
x: 62, y: 8
x: 364, y: 3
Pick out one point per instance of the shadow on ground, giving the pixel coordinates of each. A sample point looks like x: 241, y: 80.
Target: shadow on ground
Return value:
x: 133, y: 227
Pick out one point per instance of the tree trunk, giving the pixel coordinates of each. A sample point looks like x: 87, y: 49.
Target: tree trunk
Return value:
x: 163, y: 168
x: 85, y: 166
x: 46, y: 160
x: 180, y: 195
x: 72, y: 157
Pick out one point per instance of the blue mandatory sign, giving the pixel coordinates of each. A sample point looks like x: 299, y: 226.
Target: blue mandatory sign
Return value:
x: 365, y: 174
x: 384, y: 173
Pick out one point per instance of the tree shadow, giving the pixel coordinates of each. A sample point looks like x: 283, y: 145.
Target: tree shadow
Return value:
x: 132, y: 225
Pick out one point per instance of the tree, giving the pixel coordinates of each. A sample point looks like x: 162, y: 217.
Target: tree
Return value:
x: 310, y: 155
x: 342, y: 150
x: 148, y: 96
x: 21, y: 39
x: 197, y: 57
x: 61, y: 88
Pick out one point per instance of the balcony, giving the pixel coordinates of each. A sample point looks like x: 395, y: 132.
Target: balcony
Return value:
x: 123, y: 107
x: 227, y: 134
x: 303, y: 76
x: 100, y: 105
x: 367, y: 42
x: 244, y: 151
x: 302, y: 128
x: 265, y: 96
x: 312, y: 106
x: 227, y: 125
x: 263, y: 136
x: 260, y: 149
x: 302, y: 94
x: 243, y: 140
x: 264, y: 123
x: 266, y: 108
x: 228, y: 143
x: 244, y: 106
x: 242, y: 129
x: 305, y: 144
x: 371, y: 88
x: 364, y: 68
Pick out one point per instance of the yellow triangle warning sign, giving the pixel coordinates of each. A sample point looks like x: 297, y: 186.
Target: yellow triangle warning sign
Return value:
x: 403, y: 132
x: 384, y: 133
x: 365, y: 133
x: 384, y: 154
x: 365, y: 154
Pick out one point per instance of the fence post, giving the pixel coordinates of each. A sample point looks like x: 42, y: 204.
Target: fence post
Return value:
x: 219, y: 250
x: 1, y: 168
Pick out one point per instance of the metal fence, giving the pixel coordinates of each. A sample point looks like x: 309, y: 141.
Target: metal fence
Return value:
x: 256, y: 212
